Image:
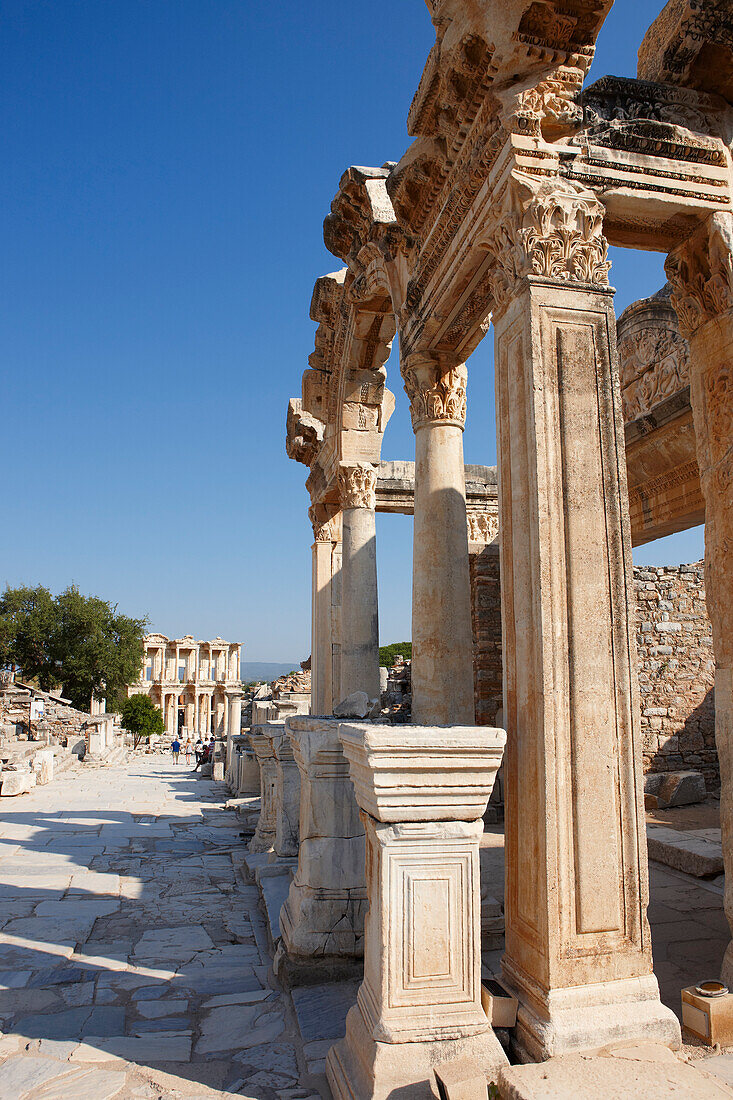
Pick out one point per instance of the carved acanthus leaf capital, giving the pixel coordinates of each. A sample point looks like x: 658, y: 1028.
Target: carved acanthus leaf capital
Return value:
x: 552, y: 229
x: 436, y: 387
x: 325, y: 523
x: 701, y: 274
x: 358, y: 486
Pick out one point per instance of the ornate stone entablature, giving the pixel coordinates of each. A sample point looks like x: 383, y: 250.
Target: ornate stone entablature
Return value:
x: 482, y: 526
x: 436, y: 388
x: 326, y: 523
x: 653, y: 356
x: 358, y: 486
x: 304, y: 433
x: 691, y: 43
x: 701, y: 274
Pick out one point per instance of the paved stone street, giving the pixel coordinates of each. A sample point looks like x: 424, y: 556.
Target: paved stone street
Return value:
x: 133, y: 957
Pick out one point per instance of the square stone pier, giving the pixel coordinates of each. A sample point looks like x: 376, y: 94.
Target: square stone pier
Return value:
x: 322, y: 920
x: 422, y: 791
x: 261, y: 740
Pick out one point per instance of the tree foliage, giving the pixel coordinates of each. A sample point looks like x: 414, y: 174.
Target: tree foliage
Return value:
x: 141, y: 717
x: 81, y: 642
x: 387, y: 653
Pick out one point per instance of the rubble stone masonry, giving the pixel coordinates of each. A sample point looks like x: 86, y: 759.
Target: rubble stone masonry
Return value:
x: 676, y: 666
x: 676, y: 671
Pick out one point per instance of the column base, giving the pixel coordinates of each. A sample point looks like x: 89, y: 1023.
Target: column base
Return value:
x: 360, y: 1068
x: 587, y: 1017
x: 262, y: 841
x: 322, y: 936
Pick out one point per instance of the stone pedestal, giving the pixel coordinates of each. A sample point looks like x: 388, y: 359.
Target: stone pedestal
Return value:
x: 359, y: 616
x: 234, y: 726
x: 442, y: 638
x: 701, y: 274
x: 422, y: 791
x: 248, y: 772
x: 322, y: 921
x: 578, y: 948
x: 287, y: 798
x: 261, y: 741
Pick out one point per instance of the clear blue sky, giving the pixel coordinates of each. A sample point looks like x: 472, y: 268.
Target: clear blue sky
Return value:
x: 167, y: 165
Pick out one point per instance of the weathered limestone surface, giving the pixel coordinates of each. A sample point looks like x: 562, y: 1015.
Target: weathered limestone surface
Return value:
x: 701, y: 274
x: 322, y: 921
x: 422, y: 791
x: 359, y: 599
x: 578, y: 953
x: 16, y: 782
x: 261, y: 740
x: 287, y: 797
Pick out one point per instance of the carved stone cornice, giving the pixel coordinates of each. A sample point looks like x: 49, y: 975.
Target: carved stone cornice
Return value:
x: 653, y: 355
x: 436, y: 387
x: 701, y: 274
x: 358, y: 486
x: 303, y: 433
x: 552, y: 228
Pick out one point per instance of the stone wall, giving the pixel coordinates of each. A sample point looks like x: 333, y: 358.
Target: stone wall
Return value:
x: 61, y: 722
x: 486, y: 623
x: 676, y: 667
x: 676, y: 671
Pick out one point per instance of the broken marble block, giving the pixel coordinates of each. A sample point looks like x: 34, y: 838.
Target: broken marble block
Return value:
x: 43, y: 766
x: 261, y: 741
x: 675, y: 788
x: 17, y: 782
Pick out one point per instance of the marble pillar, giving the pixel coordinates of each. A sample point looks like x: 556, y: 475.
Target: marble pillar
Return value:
x: 422, y: 792
x: 234, y: 699
x: 261, y: 742
x: 326, y: 533
x: 578, y: 948
x: 701, y: 274
x: 359, y: 614
x: 322, y: 920
x: 287, y: 797
x: 442, y: 639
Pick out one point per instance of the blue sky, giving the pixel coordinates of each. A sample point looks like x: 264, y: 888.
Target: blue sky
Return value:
x: 167, y: 168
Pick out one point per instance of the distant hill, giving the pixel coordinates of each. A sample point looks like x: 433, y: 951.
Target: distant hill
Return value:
x: 266, y: 670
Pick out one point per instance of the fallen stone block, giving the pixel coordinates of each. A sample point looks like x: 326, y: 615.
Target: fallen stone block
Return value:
x: 685, y: 851
x: 681, y: 789
x: 16, y: 783
x: 356, y: 705
x: 43, y: 766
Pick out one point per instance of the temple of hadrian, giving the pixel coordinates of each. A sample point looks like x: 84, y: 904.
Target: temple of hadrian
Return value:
x: 500, y: 214
x: 195, y: 684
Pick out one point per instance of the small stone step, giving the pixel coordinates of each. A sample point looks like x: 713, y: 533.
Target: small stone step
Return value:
x: 695, y: 854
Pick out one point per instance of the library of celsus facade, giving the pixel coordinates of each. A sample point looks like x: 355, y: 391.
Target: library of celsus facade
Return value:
x: 196, y: 684
x: 499, y: 215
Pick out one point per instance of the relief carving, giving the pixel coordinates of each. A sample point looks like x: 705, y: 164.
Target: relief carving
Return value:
x: 437, y: 390
x: 482, y: 526
x: 326, y: 526
x: 358, y: 486
x: 701, y: 274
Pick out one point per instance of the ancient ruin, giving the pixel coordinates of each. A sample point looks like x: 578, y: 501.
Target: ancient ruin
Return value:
x: 195, y: 684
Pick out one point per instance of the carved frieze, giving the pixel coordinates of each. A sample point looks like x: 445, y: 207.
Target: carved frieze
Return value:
x: 482, y: 526
x: 653, y: 355
x: 701, y: 274
x: 358, y: 486
x: 304, y: 433
x: 436, y: 388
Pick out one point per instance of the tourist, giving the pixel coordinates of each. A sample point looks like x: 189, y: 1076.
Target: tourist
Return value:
x: 189, y: 750
x: 175, y: 749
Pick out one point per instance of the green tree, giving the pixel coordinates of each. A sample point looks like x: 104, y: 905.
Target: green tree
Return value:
x: 81, y: 642
x: 387, y: 653
x: 141, y: 717
x: 28, y: 620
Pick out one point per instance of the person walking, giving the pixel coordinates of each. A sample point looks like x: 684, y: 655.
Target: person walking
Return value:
x: 189, y: 750
x: 175, y: 749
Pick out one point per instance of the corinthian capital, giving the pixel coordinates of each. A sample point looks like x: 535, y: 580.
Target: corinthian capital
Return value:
x: 701, y: 274
x: 358, y: 486
x: 436, y: 387
x: 325, y: 522
x: 552, y: 229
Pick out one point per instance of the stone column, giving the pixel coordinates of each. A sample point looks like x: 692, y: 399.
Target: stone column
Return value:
x: 422, y: 793
x: 322, y: 920
x: 261, y: 742
x: 287, y: 798
x: 442, y: 641
x: 359, y: 614
x: 578, y: 948
x: 235, y: 727
x: 326, y: 531
x: 701, y: 274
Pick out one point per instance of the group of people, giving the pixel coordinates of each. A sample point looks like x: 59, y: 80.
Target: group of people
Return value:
x: 202, y: 750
